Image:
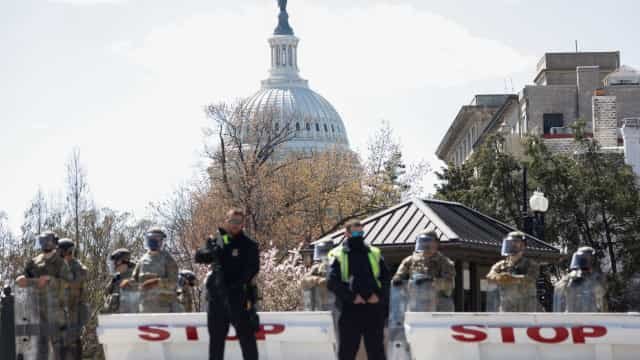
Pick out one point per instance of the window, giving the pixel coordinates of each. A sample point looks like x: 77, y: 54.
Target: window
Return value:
x: 551, y: 121
x: 297, y: 126
x: 325, y: 128
x: 317, y: 127
x: 308, y: 126
x: 333, y: 129
x: 277, y: 126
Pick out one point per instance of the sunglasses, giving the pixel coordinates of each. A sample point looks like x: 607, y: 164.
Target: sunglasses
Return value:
x: 235, y: 222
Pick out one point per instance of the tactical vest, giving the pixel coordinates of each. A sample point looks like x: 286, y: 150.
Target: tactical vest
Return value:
x: 343, y: 258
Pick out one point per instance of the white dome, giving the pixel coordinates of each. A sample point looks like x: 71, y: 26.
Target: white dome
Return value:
x: 317, y: 123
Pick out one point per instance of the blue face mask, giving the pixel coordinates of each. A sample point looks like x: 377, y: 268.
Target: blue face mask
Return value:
x: 153, y: 244
x: 357, y: 234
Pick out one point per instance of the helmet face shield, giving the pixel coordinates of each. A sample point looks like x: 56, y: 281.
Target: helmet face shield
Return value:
x: 511, y: 246
x: 581, y: 261
x: 321, y: 251
x: 425, y: 243
x: 154, y: 239
x: 47, y: 242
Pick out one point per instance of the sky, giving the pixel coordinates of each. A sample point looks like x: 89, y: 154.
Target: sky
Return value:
x: 126, y: 81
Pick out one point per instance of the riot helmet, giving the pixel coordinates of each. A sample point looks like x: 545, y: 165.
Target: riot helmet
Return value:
x: 65, y: 246
x: 514, y: 243
x: 154, y: 238
x: 187, y: 277
x: 582, y: 259
x: 48, y: 241
x: 426, y: 242
x: 321, y: 250
x: 119, y: 257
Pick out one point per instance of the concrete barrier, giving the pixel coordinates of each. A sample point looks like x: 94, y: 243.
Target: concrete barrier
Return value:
x: 282, y: 335
x: 523, y: 336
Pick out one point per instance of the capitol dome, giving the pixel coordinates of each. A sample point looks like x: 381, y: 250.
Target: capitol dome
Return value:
x: 316, y: 122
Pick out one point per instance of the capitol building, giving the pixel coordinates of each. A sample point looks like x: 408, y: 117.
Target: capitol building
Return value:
x: 314, y: 123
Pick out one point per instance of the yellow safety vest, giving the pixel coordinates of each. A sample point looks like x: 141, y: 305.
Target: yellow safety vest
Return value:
x: 343, y: 258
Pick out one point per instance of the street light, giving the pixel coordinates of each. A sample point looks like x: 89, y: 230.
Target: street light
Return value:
x: 539, y: 205
x: 538, y: 202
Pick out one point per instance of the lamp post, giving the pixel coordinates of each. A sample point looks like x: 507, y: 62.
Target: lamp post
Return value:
x: 539, y: 205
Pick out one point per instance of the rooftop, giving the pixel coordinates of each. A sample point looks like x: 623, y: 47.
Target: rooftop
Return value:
x: 456, y: 224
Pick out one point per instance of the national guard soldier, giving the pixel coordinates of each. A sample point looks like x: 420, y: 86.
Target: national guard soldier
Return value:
x: 157, y: 275
x: 187, y: 287
x: 431, y: 276
x: 119, y: 299
x: 515, y: 276
x: 48, y: 275
x: 314, y: 284
x: 582, y: 289
x: 77, y: 310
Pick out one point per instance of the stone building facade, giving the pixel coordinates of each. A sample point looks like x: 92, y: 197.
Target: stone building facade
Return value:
x: 586, y: 86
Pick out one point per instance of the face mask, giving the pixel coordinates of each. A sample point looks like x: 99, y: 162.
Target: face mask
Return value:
x: 153, y: 244
x: 357, y: 234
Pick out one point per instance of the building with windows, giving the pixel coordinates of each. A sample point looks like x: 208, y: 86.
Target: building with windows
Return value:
x: 314, y: 122
x: 568, y: 87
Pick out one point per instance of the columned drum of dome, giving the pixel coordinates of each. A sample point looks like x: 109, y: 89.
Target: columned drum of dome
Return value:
x: 316, y: 124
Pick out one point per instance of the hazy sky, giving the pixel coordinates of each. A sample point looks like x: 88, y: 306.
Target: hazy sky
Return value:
x: 126, y: 80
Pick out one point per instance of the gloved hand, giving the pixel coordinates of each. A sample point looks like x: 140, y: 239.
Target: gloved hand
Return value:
x: 151, y: 283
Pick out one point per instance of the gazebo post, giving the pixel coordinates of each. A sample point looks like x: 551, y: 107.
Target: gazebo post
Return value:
x: 474, y: 283
x: 459, y: 286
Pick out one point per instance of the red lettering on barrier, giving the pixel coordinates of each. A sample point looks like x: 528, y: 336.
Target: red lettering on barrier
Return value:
x: 468, y: 335
x: 507, y: 335
x: 580, y: 334
x: 270, y: 329
x: 192, y: 333
x: 153, y: 333
x: 561, y: 334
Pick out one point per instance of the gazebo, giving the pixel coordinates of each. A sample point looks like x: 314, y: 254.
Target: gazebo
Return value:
x: 468, y: 237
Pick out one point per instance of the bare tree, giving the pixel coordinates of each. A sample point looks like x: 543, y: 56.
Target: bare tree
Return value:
x: 245, y: 143
x: 77, y: 194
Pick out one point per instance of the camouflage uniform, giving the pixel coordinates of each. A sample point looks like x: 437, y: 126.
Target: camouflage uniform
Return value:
x: 314, y: 285
x: 186, y: 298
x: 517, y: 294
x: 437, y: 267
x: 580, y: 292
x: 78, y: 312
x: 51, y: 302
x: 113, y: 293
x: 162, y: 297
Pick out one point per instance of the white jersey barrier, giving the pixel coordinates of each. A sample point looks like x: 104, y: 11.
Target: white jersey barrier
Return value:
x: 523, y: 336
x: 282, y: 335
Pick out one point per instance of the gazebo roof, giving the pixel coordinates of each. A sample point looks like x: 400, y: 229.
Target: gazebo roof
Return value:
x: 456, y: 224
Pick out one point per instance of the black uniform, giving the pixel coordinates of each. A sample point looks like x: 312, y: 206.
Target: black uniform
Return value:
x: 230, y: 293
x: 362, y: 320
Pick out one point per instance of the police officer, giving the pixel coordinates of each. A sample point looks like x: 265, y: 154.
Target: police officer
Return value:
x: 50, y: 275
x: 428, y: 265
x: 121, y: 268
x: 359, y: 279
x: 157, y: 275
x: 314, y: 283
x: 582, y: 289
x: 231, y: 290
x: 515, y: 276
x: 77, y: 310
x: 187, y: 286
